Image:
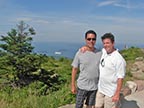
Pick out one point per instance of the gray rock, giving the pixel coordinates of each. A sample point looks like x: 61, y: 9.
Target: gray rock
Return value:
x: 132, y: 85
x: 135, y: 100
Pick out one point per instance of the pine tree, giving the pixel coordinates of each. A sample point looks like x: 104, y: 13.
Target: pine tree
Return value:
x: 17, y: 50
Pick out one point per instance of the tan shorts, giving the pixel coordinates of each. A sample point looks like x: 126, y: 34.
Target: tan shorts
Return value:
x: 103, y: 100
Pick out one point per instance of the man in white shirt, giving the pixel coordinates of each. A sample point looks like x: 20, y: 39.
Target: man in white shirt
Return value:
x: 112, y: 71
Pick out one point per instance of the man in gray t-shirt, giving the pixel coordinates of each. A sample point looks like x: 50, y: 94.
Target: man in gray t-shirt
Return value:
x: 88, y: 64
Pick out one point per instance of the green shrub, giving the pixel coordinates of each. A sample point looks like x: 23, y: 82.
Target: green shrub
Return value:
x: 132, y: 53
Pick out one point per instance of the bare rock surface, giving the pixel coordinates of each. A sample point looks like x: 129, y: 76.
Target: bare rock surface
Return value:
x: 137, y: 68
x: 135, y: 100
x: 140, y: 85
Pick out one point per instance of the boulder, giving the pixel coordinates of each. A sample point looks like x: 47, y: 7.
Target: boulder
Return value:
x: 132, y: 85
x: 135, y: 100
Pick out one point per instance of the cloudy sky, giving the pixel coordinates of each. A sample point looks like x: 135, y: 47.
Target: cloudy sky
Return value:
x: 68, y: 20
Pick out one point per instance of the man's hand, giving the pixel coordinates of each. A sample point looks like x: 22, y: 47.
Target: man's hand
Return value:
x: 73, y: 89
x: 115, y: 98
x: 83, y: 49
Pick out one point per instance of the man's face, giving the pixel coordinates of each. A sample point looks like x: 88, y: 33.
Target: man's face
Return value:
x: 108, y: 45
x: 90, y: 40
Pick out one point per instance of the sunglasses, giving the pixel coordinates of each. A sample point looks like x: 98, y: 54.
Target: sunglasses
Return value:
x: 89, y: 39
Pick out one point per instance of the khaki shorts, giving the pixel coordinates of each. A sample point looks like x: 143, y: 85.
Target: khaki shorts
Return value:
x: 103, y: 100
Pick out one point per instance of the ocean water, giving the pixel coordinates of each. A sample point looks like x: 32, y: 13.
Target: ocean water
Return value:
x: 57, y: 49
x: 68, y: 50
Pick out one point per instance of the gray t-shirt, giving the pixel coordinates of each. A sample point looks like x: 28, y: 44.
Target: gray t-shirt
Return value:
x: 88, y: 63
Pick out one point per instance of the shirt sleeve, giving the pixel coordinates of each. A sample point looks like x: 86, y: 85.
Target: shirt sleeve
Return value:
x: 121, y: 68
x: 76, y: 62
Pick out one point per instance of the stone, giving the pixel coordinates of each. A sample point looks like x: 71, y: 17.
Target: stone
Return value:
x: 132, y: 85
x: 126, y: 91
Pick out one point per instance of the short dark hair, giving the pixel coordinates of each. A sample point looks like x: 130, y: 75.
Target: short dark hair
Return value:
x: 90, y: 32
x: 109, y: 36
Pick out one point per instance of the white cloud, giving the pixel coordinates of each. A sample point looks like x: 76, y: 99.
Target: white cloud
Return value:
x: 42, y: 21
x: 122, y: 3
x: 129, y: 5
x: 23, y: 19
x: 64, y: 30
x: 121, y: 20
x: 105, y: 3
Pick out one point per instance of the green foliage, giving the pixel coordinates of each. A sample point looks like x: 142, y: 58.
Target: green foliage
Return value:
x: 128, y: 77
x: 38, y: 88
x: 4, y: 67
x: 130, y: 56
x: 132, y: 53
x: 61, y: 97
x: 50, y: 89
x: 21, y: 98
x: 16, y: 53
x: 29, y: 80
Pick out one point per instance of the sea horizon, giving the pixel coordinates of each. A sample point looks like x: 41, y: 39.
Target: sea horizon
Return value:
x: 68, y: 50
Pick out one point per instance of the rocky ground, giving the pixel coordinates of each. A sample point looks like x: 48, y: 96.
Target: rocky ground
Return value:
x: 135, y: 100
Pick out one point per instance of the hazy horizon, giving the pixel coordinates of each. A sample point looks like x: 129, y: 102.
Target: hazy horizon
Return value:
x: 68, y: 49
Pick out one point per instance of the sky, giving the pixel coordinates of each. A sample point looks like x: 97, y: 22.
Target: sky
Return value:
x: 68, y: 20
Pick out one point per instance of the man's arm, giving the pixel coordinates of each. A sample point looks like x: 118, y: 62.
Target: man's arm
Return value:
x: 116, y: 96
x: 73, y: 86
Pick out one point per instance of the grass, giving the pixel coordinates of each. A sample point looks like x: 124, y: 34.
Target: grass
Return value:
x: 22, y: 98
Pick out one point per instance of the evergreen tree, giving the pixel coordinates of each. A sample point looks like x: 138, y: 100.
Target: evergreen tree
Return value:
x: 18, y: 42
x: 16, y: 49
